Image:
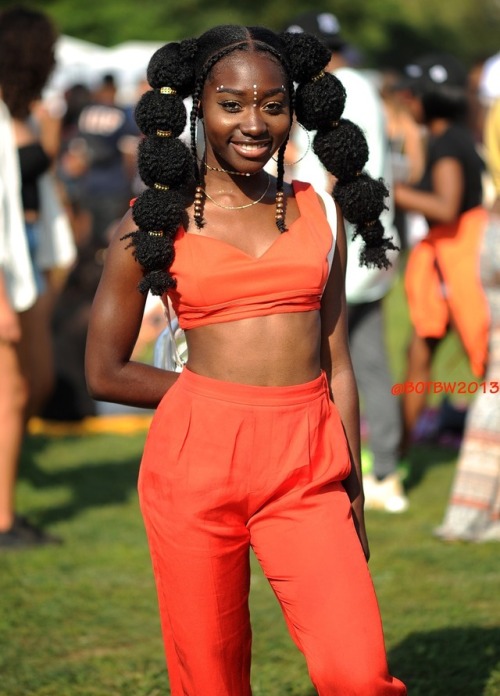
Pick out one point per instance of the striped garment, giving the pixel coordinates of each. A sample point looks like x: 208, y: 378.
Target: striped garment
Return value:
x: 473, y: 512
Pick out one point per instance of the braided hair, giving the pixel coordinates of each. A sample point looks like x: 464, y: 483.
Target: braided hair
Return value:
x: 170, y: 170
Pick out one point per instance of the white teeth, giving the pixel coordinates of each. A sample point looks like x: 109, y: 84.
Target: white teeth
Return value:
x: 251, y: 146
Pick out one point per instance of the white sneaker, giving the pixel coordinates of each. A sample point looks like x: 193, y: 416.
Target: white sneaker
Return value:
x: 387, y: 494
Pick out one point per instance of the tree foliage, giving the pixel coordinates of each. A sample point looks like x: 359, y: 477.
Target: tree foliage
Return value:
x: 387, y: 32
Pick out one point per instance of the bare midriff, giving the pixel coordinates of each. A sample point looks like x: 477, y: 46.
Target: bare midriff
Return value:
x: 275, y: 350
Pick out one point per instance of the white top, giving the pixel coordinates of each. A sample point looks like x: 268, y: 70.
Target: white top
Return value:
x: 15, y: 262
x: 363, y: 107
x: 56, y: 244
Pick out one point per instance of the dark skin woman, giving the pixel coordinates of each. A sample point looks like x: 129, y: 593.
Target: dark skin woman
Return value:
x: 243, y: 96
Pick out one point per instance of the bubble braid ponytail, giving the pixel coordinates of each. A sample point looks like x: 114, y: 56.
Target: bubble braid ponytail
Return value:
x: 339, y: 144
x: 165, y: 164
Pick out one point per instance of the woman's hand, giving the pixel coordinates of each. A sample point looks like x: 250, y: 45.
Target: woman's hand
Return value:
x: 359, y: 522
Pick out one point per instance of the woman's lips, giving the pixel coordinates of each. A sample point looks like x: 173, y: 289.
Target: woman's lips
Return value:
x: 251, y: 150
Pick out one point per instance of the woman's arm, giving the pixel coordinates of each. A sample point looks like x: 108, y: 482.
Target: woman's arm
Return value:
x: 49, y: 129
x: 442, y: 205
x: 115, y: 322
x: 10, y: 327
x: 336, y: 361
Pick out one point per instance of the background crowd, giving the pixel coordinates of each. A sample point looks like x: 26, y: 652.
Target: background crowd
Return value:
x: 67, y: 178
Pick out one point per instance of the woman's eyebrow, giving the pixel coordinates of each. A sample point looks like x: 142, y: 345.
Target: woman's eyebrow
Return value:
x: 238, y: 92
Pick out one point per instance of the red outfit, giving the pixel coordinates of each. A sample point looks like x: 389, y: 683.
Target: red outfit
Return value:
x: 217, y: 282
x: 443, y: 285
x: 227, y: 466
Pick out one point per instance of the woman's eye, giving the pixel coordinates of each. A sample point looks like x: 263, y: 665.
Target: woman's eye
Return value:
x: 275, y: 107
x: 231, y: 106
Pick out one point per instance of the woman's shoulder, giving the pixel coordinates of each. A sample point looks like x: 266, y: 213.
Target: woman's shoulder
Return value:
x: 324, y: 198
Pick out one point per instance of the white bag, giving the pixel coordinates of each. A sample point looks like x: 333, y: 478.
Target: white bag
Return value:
x: 170, y: 351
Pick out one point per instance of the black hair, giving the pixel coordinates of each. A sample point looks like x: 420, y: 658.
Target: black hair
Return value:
x: 170, y: 169
x: 27, y: 57
x: 446, y: 102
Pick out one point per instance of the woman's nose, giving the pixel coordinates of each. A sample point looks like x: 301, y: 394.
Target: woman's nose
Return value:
x: 253, y: 123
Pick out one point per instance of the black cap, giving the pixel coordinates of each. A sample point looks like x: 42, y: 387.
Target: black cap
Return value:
x: 432, y: 71
x: 324, y: 25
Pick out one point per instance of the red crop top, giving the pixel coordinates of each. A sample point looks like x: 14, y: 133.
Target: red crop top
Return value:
x: 217, y: 282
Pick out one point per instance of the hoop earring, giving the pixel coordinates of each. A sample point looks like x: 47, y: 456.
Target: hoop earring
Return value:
x: 292, y: 164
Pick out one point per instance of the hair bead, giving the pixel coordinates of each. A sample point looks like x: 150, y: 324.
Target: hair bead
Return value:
x: 161, y: 187
x: 164, y: 133
x: 168, y: 90
x: 319, y: 76
x: 199, y: 199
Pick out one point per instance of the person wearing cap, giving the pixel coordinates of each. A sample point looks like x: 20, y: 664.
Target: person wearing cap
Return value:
x: 441, y: 279
x: 365, y: 287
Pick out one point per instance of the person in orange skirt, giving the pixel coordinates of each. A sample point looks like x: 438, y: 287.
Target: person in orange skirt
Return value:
x: 442, y: 274
x: 256, y: 442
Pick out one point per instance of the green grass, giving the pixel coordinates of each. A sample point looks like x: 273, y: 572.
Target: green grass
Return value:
x: 81, y: 619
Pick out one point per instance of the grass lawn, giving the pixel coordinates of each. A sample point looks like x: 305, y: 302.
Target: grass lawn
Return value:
x: 81, y: 619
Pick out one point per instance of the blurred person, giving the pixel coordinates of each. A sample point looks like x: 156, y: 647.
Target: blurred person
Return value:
x: 365, y: 287
x: 405, y: 135
x: 442, y: 279
x: 35, y: 244
x: 99, y: 162
x: 407, y: 152
x: 72, y: 158
x: 104, y: 128
x: 473, y: 511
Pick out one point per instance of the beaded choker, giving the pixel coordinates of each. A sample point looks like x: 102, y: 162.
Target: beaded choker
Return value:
x: 224, y: 171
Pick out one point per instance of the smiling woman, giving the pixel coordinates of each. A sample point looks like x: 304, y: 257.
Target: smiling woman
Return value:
x: 247, y: 447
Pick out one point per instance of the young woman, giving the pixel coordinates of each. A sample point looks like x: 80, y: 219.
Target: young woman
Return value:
x: 247, y: 446
x: 36, y: 244
x: 442, y: 279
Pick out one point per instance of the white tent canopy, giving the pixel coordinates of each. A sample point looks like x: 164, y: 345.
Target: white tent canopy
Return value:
x: 86, y: 63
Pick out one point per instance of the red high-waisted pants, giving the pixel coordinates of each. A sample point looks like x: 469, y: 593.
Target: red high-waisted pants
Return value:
x: 228, y: 466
